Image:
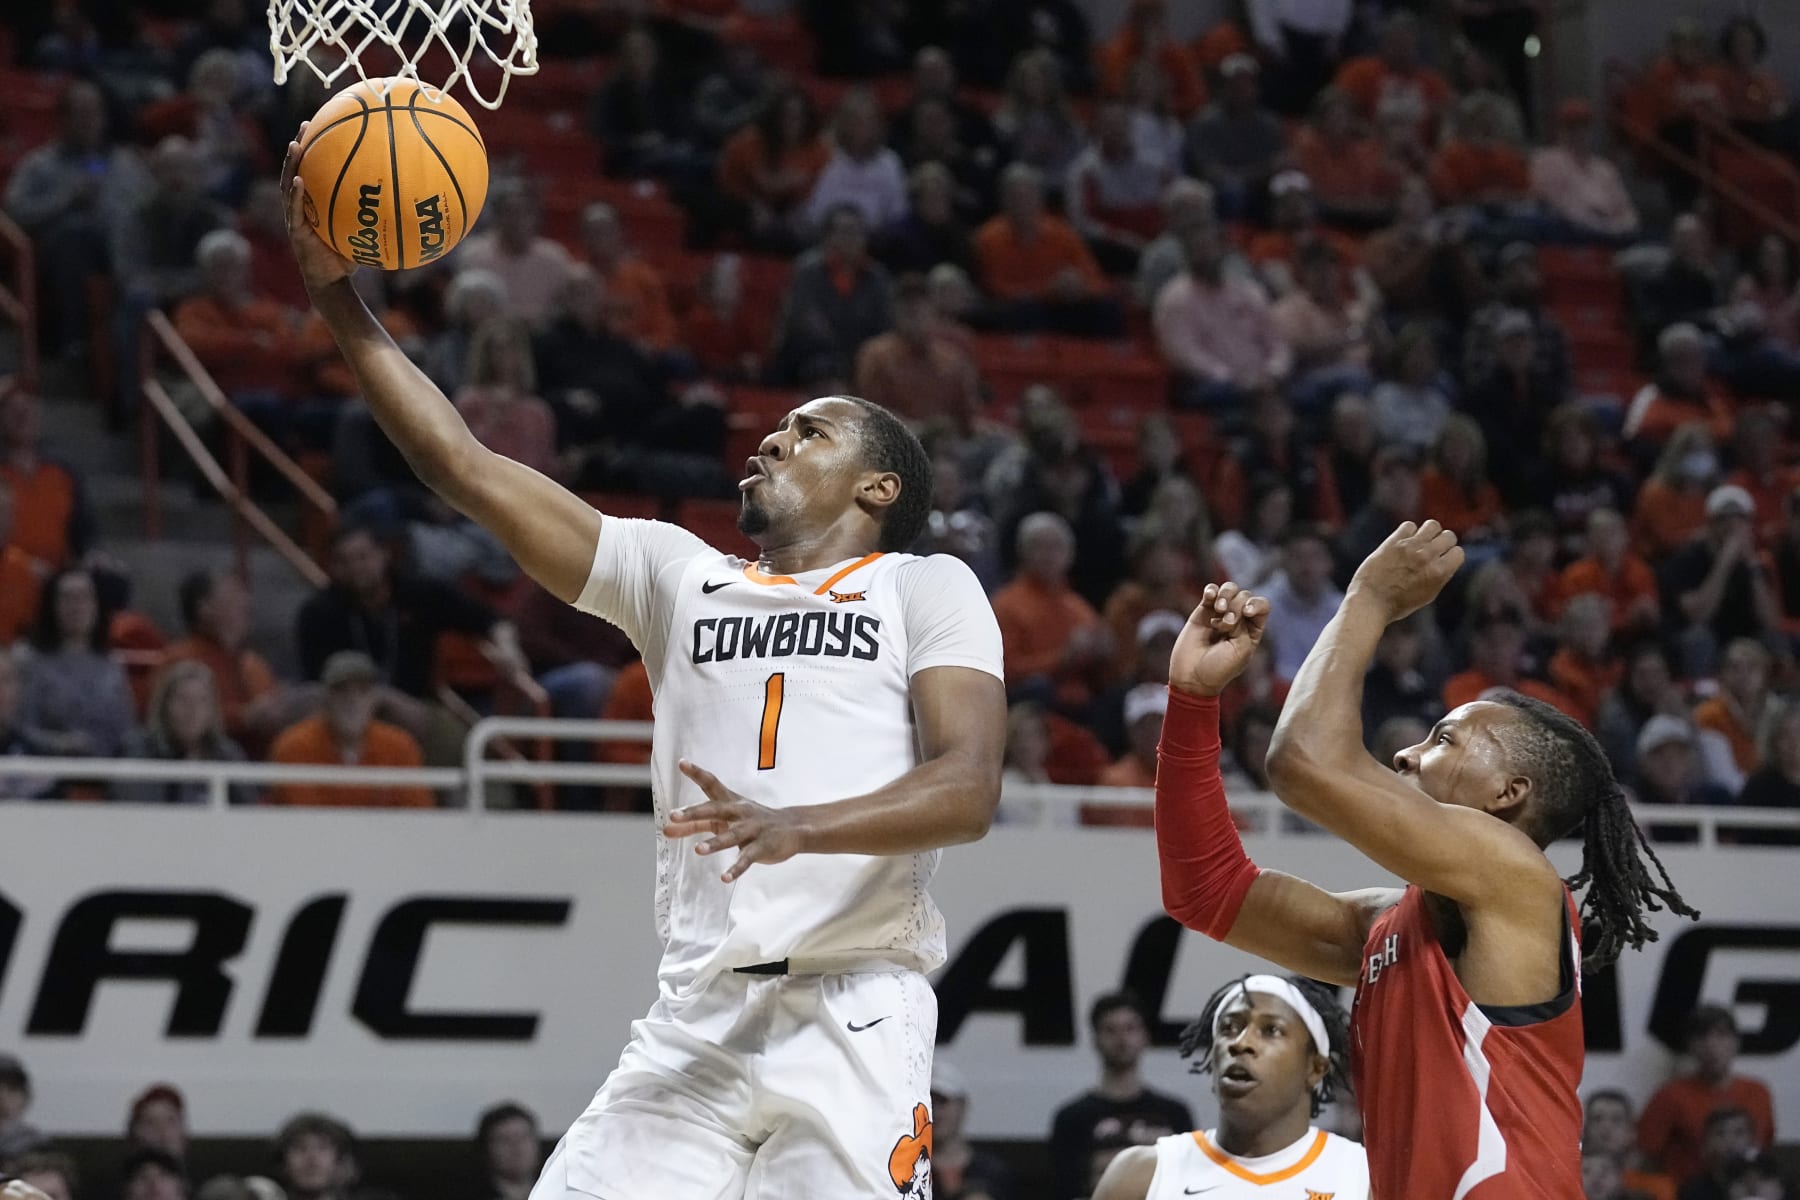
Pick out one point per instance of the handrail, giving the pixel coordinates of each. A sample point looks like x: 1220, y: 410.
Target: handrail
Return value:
x: 1708, y: 178
x: 20, y: 300
x: 243, y: 437
x: 220, y: 776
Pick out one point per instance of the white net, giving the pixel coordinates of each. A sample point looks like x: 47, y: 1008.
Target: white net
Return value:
x: 480, y: 43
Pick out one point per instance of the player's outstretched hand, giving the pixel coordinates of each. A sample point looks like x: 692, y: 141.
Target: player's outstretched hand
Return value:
x: 1406, y: 572
x: 762, y: 834
x: 320, y: 265
x: 1219, y: 639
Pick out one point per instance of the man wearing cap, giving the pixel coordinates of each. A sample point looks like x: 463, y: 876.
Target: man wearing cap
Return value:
x: 1393, y: 80
x: 1144, y: 708
x: 1579, y: 186
x: 1294, y: 215
x: 345, y: 733
x: 1669, y: 766
x: 1681, y: 394
x: 958, y: 1169
x: 1518, y: 286
x: 16, y: 1134
x: 1716, y: 587
x: 158, y: 1120
x: 1236, y: 144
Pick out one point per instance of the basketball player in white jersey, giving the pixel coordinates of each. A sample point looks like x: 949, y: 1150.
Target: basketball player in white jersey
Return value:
x: 832, y: 713
x: 1277, y: 1049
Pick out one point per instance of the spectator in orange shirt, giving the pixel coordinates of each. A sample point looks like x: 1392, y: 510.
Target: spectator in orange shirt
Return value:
x: 720, y: 330
x: 328, y: 375
x: 1038, y: 268
x: 837, y: 299
x: 1496, y: 660
x: 1583, y: 668
x: 1681, y: 393
x: 630, y: 700
x: 766, y: 171
x: 21, y: 579
x: 1611, y: 571
x: 1056, y: 646
x: 1356, y: 183
x: 1393, y: 79
x: 1609, y: 1128
x: 1671, y: 505
x: 1159, y: 587
x: 1671, y: 1130
x: 346, y: 733
x: 912, y: 369
x: 1743, y: 709
x: 1758, y: 446
x: 1144, y: 34
x: 1478, y: 164
x: 636, y: 295
x: 215, y: 608
x: 247, y: 342
x: 1681, y: 86
x: 1144, y: 706
x: 1455, y: 488
x: 51, y: 522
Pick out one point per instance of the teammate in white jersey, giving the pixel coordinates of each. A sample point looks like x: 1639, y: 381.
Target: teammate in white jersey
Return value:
x: 1277, y: 1049
x: 833, y: 713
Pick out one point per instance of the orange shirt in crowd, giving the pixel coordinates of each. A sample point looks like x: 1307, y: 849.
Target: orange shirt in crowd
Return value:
x: 1075, y: 757
x: 637, y: 303
x: 1770, y: 494
x: 1672, y: 91
x: 1275, y: 245
x: 1470, y: 172
x: 1036, y: 623
x: 318, y: 352
x: 1468, y: 686
x: 1648, y: 1184
x: 1672, y: 1130
x: 1113, y: 62
x: 1654, y: 415
x: 1013, y: 269
x: 1666, y: 517
x: 1720, y: 716
x: 1357, y: 172
x: 920, y: 383
x: 1229, y: 494
x: 1631, y: 587
x: 239, y: 679
x: 1584, y: 682
x: 630, y: 700
x: 310, y: 743
x: 1368, y: 81
x: 1130, y: 772
x: 1456, y: 509
x: 19, y: 588
x: 743, y: 161
x: 251, y: 347
x: 43, y: 507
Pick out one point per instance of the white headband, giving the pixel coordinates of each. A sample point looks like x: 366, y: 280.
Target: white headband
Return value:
x: 1281, y: 989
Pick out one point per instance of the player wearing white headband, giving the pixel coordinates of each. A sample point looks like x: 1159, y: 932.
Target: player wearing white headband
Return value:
x: 1275, y: 1047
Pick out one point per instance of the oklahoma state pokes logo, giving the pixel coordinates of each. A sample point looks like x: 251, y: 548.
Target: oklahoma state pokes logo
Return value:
x: 909, y: 1164
x: 847, y: 597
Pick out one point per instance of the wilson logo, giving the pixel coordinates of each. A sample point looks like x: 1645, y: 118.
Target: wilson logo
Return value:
x: 365, y: 243
x: 431, y: 227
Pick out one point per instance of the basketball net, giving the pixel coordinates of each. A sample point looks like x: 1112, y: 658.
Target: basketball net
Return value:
x: 378, y: 39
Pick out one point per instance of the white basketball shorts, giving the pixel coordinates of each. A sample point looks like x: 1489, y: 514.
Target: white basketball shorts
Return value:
x: 764, y: 1087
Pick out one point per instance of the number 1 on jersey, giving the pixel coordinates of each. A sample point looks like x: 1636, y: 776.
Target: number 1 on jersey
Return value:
x: 771, y: 722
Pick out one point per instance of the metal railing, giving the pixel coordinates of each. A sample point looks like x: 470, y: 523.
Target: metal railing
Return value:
x: 1705, y: 174
x: 1053, y: 803
x: 18, y: 297
x: 242, y: 437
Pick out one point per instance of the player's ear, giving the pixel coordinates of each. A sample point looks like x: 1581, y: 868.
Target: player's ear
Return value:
x: 1515, y: 794
x: 1316, y: 1069
x: 879, y: 489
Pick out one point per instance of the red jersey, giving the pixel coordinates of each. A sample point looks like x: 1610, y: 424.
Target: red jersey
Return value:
x: 1461, y: 1101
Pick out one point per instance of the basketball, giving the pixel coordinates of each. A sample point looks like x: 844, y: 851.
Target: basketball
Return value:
x: 394, y: 177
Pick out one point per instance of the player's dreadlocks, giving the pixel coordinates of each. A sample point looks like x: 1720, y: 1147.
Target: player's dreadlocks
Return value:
x: 1197, y: 1039
x: 1573, y: 788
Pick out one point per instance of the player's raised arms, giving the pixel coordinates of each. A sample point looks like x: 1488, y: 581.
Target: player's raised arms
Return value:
x: 549, y: 530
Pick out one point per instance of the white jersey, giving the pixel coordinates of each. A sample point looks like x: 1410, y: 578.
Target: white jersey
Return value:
x: 1320, y: 1166
x: 793, y: 690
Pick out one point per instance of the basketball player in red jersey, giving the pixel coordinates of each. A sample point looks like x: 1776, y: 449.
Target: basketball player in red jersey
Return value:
x: 1466, y: 1036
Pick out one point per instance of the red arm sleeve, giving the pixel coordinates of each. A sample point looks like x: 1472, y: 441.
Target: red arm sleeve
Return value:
x: 1205, y: 872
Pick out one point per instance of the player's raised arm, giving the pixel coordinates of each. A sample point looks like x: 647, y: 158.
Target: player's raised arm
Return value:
x: 548, y: 529
x: 1209, y: 883
x: 1320, y: 769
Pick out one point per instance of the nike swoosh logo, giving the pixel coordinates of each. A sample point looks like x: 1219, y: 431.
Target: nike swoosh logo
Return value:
x: 1196, y: 1191
x: 709, y: 588
x: 853, y: 1027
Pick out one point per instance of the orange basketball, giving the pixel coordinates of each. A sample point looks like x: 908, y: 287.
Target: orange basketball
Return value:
x: 393, y: 180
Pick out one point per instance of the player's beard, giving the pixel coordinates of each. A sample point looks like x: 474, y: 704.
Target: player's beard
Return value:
x: 753, y: 519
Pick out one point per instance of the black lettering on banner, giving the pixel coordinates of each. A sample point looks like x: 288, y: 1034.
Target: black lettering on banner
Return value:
x: 1045, y: 1000
x: 382, y: 995
x: 10, y: 920
x: 1147, y: 972
x: 82, y: 958
x: 702, y: 656
x: 729, y: 628
x: 787, y: 631
x: 812, y: 633
x: 1684, y: 976
x: 298, y: 977
x: 868, y: 647
x: 756, y: 637
x: 841, y: 626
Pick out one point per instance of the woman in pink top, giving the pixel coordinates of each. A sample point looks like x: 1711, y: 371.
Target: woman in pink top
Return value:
x: 499, y: 400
